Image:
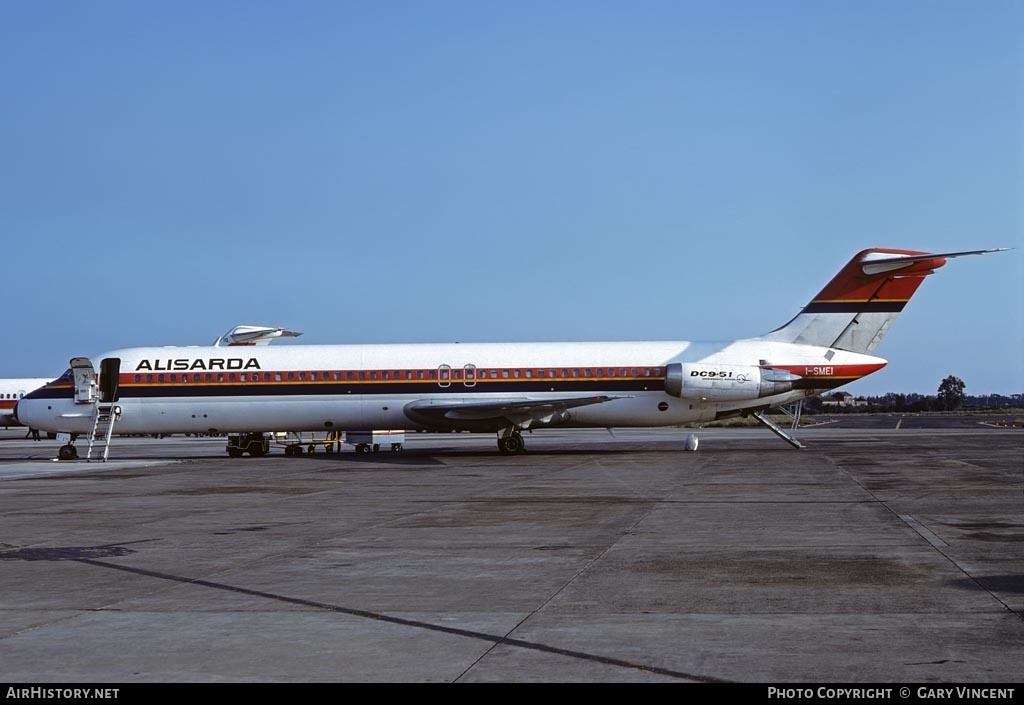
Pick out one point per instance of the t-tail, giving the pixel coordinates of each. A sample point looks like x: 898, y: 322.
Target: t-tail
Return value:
x: 855, y: 310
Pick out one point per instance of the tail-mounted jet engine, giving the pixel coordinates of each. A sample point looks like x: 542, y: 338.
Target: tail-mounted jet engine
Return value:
x: 710, y: 382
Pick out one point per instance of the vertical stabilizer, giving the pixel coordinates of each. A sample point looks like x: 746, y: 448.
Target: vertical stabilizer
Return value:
x: 854, y: 310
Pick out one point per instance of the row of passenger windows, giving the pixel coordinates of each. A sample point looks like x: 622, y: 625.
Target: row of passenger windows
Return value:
x: 440, y: 375
x: 12, y: 396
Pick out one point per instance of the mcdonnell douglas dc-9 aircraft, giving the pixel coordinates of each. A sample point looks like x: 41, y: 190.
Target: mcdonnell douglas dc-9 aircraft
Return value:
x: 502, y: 388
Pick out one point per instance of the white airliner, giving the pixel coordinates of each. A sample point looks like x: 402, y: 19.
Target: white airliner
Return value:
x: 501, y: 388
x: 11, y: 391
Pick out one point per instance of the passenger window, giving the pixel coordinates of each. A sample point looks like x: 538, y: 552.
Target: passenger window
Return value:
x: 138, y: 378
x: 277, y: 376
x: 231, y: 376
x: 220, y: 376
x: 149, y: 378
x: 504, y: 374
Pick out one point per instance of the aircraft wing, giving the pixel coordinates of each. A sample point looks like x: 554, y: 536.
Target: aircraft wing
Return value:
x: 515, y: 411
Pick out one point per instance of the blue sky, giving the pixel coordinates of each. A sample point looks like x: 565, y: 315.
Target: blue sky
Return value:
x: 507, y: 171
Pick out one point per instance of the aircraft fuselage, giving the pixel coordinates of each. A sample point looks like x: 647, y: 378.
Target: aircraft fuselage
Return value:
x: 348, y: 387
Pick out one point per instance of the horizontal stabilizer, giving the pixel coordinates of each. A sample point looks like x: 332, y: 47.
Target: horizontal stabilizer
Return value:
x: 878, y: 263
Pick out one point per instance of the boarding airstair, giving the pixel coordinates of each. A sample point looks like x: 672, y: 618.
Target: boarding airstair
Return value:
x: 104, y: 416
x: 101, y: 392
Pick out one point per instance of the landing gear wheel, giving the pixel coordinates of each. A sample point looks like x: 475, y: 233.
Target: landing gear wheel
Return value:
x: 511, y: 445
x: 67, y: 452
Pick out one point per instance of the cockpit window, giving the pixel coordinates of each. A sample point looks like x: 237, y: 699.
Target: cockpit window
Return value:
x: 69, y: 374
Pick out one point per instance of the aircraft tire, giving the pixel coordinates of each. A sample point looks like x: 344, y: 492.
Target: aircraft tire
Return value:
x: 67, y: 452
x: 511, y: 445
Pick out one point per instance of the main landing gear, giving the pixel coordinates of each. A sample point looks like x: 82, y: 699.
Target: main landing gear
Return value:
x: 67, y: 452
x: 512, y: 443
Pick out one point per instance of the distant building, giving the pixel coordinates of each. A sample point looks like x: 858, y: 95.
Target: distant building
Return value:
x: 842, y: 400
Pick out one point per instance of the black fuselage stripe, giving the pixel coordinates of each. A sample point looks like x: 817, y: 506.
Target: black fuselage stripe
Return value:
x: 855, y: 307
x: 412, y: 388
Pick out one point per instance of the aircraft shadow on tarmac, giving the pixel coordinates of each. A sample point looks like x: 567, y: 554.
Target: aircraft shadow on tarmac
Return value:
x: 70, y: 553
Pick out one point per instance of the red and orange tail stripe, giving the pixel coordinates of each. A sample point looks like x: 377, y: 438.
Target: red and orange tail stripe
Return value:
x: 854, y: 291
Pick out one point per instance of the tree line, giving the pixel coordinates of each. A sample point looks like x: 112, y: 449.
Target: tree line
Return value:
x: 950, y: 396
